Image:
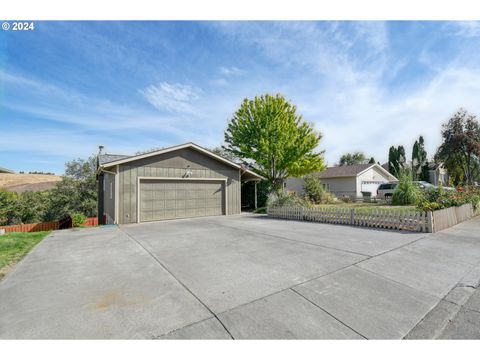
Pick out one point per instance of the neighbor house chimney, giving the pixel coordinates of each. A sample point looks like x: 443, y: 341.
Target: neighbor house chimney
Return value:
x: 100, y: 149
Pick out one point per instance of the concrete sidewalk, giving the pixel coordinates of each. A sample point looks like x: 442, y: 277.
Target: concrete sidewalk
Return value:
x: 244, y: 277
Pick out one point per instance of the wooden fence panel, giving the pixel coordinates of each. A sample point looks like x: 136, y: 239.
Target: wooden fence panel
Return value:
x: 45, y: 226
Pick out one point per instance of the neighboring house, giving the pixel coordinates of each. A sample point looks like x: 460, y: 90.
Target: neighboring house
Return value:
x: 176, y: 182
x: 437, y: 174
x: 349, y: 180
x: 6, y: 171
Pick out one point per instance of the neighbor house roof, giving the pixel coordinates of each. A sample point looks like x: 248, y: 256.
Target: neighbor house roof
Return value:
x: 350, y: 170
x: 8, y: 171
x: 122, y: 159
x: 343, y: 171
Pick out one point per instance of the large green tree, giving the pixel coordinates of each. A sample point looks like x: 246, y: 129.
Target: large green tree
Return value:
x: 396, y: 160
x: 76, y: 192
x: 460, y: 148
x: 277, y: 142
x: 352, y: 159
x: 419, y: 160
x: 225, y: 153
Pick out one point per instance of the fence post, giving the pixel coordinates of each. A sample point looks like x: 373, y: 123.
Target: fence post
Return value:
x: 352, y: 216
x: 430, y: 225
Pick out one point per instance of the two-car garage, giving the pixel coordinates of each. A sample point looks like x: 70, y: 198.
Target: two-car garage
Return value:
x: 172, y: 183
x: 162, y: 199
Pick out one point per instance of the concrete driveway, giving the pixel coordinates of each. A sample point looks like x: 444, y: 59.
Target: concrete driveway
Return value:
x: 242, y: 277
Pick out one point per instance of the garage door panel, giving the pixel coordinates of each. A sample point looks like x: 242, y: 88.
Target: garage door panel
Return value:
x: 164, y: 199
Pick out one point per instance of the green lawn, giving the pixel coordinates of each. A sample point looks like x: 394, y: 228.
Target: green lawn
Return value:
x: 367, y: 207
x: 14, y: 246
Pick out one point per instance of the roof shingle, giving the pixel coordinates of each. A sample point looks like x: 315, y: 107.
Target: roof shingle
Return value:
x: 343, y: 171
x: 106, y: 158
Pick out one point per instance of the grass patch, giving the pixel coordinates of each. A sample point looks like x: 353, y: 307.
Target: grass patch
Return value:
x: 261, y: 210
x: 14, y: 246
x: 368, y: 207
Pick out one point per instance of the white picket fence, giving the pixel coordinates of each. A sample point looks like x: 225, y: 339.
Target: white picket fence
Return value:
x: 395, y: 219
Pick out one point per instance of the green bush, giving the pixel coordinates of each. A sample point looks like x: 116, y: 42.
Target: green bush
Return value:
x: 78, y: 219
x: 260, y: 210
x: 429, y: 206
x: 315, y: 191
x: 406, y: 192
x: 284, y: 199
x: 440, y: 199
x: 8, y: 200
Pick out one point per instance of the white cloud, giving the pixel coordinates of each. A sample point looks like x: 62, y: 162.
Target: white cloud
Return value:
x: 369, y: 119
x: 466, y: 28
x: 352, y: 105
x: 172, y: 97
x: 335, y: 74
x: 231, y: 71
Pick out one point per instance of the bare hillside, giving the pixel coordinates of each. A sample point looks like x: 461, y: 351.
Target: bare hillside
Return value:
x: 28, y: 182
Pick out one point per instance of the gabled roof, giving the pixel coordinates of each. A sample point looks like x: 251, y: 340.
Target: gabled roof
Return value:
x: 122, y: 159
x: 343, y: 171
x: 8, y: 171
x: 105, y: 158
x: 351, y: 170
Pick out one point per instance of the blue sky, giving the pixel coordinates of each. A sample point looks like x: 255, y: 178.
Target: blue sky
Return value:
x: 67, y: 87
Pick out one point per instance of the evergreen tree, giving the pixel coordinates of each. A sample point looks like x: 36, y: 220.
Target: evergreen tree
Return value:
x: 419, y: 160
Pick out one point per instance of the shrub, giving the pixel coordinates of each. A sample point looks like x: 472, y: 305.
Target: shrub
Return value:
x: 7, y: 206
x: 429, y: 206
x: 78, y: 219
x: 260, y: 210
x: 284, y: 199
x: 406, y: 192
x: 440, y: 199
x: 315, y: 191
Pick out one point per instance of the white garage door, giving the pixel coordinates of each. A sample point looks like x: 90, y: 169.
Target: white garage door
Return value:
x: 371, y: 186
x: 175, y: 199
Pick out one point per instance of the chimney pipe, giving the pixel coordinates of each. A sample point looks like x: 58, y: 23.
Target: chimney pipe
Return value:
x: 100, y: 149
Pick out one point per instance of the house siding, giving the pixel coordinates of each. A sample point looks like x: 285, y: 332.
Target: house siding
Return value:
x: 173, y: 165
x: 341, y: 186
x: 109, y: 198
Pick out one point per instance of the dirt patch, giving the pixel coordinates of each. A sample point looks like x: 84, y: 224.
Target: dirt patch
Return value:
x: 115, y: 298
x: 32, y: 187
x: 5, y: 270
x: 9, y: 181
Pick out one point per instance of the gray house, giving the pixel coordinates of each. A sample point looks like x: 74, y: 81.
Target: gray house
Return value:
x: 176, y: 182
x: 437, y: 174
x: 349, y: 181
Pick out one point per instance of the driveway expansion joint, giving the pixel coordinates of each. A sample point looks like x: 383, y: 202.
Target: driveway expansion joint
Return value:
x: 176, y: 279
x: 297, y: 241
x: 330, y: 314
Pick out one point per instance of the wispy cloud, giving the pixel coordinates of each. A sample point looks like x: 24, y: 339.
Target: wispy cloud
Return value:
x: 365, y: 85
x: 466, y: 28
x: 172, y: 97
x: 231, y: 71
